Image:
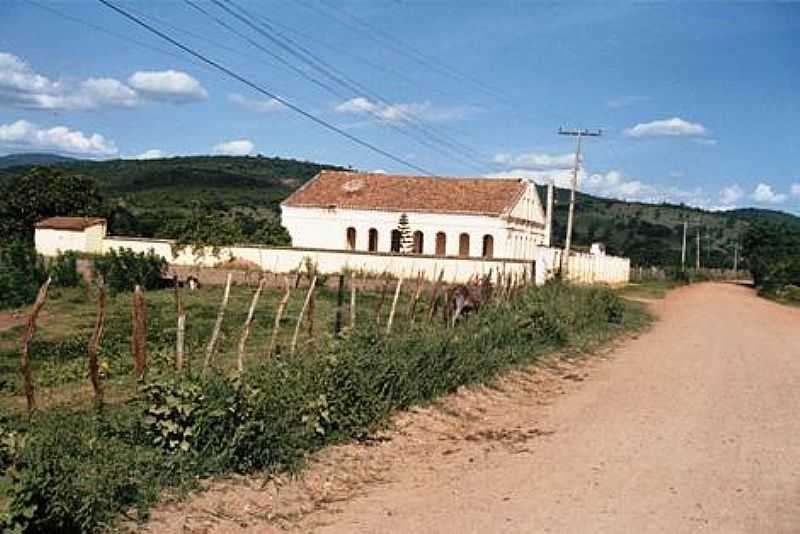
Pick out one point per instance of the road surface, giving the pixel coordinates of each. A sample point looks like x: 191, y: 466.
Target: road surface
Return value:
x: 692, y: 427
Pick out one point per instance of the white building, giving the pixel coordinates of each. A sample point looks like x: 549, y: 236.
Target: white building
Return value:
x: 62, y: 234
x: 460, y: 217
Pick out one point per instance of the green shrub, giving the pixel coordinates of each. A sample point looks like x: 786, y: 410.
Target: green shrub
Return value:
x: 22, y: 271
x: 124, y: 269
x: 64, y: 270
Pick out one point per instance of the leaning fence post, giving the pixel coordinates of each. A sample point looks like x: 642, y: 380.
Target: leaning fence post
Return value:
x: 24, y: 360
x: 138, y: 332
x: 94, y: 341
x: 337, y: 327
x: 278, y: 316
x: 300, y: 317
x: 247, y: 323
x: 212, y: 343
x: 394, y: 306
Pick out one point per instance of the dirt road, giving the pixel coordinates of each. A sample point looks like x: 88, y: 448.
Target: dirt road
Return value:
x: 694, y: 427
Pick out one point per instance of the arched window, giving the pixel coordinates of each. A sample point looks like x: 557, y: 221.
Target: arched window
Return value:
x: 351, y: 238
x: 488, y: 246
x: 419, y: 240
x: 372, y: 245
x: 396, y: 237
x: 463, y: 245
x: 441, y: 244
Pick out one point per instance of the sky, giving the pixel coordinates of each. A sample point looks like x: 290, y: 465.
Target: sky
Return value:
x: 698, y: 103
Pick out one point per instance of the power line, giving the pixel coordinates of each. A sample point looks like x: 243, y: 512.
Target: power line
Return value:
x: 402, y: 48
x: 314, y: 61
x: 298, y: 70
x: 263, y: 91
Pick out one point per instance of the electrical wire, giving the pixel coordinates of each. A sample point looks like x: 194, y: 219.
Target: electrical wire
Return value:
x: 266, y: 92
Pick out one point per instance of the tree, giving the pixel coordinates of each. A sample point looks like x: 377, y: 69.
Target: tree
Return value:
x: 45, y: 192
x: 406, y: 238
x: 771, y: 252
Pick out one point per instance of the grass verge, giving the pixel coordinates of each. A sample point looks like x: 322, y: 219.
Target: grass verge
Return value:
x: 69, y: 470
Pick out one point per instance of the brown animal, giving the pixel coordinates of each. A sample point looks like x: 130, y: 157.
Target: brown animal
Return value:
x: 461, y: 300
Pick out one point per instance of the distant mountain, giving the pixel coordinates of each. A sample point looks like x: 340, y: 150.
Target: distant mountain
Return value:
x: 19, y: 160
x: 150, y: 197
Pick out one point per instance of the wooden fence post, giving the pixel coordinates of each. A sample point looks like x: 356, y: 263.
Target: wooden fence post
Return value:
x: 276, y: 327
x: 247, y: 323
x: 212, y: 343
x: 352, y: 302
x: 337, y: 327
x: 394, y: 306
x: 435, y: 295
x: 180, y: 331
x: 24, y: 360
x: 94, y: 341
x: 379, y: 306
x: 138, y: 333
x: 309, y: 295
x: 412, y: 307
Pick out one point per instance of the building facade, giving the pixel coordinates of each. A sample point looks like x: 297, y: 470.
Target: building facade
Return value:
x: 63, y: 234
x: 458, y: 217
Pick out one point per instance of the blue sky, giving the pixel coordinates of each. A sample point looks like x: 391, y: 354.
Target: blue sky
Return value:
x: 698, y: 102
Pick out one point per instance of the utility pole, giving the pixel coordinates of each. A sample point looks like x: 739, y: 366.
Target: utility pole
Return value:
x: 579, y: 133
x: 683, y: 248
x: 736, y: 257
x: 697, y: 260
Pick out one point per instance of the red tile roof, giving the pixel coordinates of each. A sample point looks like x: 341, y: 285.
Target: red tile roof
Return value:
x: 385, y: 192
x: 70, y: 223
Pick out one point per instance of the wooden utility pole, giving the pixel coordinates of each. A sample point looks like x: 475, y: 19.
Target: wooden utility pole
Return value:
x: 683, y: 248
x: 579, y: 133
x: 736, y: 257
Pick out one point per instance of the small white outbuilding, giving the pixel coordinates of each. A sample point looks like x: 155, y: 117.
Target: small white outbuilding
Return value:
x: 463, y: 217
x: 63, y: 234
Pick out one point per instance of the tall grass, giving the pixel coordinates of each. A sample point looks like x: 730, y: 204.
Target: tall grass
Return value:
x: 74, y: 471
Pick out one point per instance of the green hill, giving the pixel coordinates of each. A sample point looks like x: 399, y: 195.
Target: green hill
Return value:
x: 16, y: 160
x: 153, y: 197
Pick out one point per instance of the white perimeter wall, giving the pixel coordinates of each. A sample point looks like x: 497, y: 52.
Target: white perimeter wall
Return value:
x: 583, y: 268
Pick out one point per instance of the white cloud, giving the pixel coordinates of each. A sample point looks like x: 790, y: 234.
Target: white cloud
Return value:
x: 667, y: 128
x: 730, y: 195
x: 21, y: 86
x: 625, y: 101
x: 169, y: 85
x: 153, y: 153
x: 534, y: 160
x: 399, y: 112
x: 28, y: 136
x: 795, y: 190
x: 237, y: 147
x: 262, y: 105
x: 764, y: 193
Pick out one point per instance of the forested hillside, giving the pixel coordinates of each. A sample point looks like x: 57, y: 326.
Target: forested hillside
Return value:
x: 241, y: 195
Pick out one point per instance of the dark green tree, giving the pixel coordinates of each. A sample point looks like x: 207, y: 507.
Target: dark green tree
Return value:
x: 45, y: 192
x: 406, y: 238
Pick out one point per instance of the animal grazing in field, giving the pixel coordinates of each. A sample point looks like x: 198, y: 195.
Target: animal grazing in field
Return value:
x: 460, y: 301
